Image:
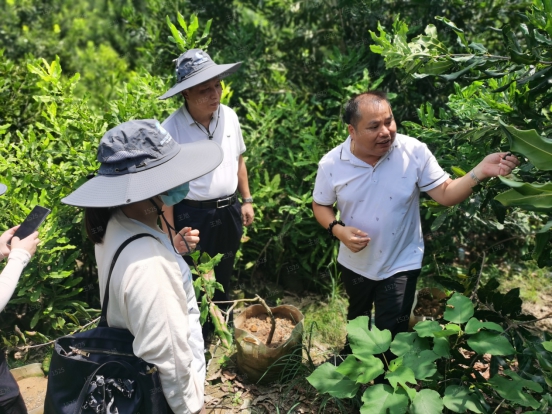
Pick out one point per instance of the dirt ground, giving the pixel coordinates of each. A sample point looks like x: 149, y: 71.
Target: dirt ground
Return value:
x: 33, y: 391
x: 539, y: 310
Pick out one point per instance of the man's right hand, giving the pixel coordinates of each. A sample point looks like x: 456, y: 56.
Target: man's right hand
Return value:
x: 353, y: 238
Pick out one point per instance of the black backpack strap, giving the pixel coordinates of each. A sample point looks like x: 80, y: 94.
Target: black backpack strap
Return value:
x: 103, y: 319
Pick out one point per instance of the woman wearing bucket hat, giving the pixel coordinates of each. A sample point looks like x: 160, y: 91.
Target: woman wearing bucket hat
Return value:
x: 212, y: 204
x: 151, y: 292
x: 18, y: 253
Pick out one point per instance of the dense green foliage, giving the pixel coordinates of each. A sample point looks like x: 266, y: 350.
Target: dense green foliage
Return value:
x: 71, y: 70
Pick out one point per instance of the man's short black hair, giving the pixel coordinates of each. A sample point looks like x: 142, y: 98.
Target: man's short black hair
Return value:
x: 352, y: 115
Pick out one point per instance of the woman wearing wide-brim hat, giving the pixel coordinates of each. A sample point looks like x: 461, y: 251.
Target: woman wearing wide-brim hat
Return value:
x: 151, y: 293
x: 18, y: 253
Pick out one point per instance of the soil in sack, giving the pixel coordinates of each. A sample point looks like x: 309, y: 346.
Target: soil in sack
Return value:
x: 252, y: 327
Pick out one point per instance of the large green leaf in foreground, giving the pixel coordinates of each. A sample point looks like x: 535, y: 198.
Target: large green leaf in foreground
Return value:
x: 460, y: 398
x: 427, y: 402
x: 534, y: 197
x: 487, y: 342
x: 530, y: 144
x: 326, y: 379
x: 459, y: 309
x: 380, y: 399
x: 363, y: 370
x: 363, y: 340
x: 513, y: 389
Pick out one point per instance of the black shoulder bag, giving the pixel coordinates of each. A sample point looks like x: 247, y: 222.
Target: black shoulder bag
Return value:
x: 96, y: 371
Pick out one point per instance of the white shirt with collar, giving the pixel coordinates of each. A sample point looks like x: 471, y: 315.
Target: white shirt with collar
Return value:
x: 382, y: 201
x: 151, y: 294
x: 223, y: 180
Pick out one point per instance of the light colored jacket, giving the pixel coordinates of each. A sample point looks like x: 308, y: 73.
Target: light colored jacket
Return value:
x: 151, y: 295
x: 17, y: 260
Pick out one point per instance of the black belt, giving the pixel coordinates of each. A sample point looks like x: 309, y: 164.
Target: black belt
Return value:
x: 218, y: 203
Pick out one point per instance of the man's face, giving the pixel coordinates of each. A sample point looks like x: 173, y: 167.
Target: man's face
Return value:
x: 204, y: 97
x: 376, y: 130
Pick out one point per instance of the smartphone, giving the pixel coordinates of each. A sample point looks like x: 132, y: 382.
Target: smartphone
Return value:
x: 32, y: 222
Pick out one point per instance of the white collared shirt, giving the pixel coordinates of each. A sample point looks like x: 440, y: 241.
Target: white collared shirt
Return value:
x: 382, y: 201
x: 223, y: 180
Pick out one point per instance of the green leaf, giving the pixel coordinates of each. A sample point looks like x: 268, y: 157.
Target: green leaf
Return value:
x: 547, y: 345
x: 327, y: 380
x: 458, y: 171
x: 380, y: 399
x: 363, y: 340
x: 441, y: 347
x: 427, y: 402
x: 206, y: 29
x: 459, y: 399
x: 427, y: 328
x: 512, y: 390
x: 181, y: 21
x: 485, y: 342
x: 459, y: 309
x: 533, y: 197
x: 459, y: 32
x: 35, y: 295
x: 436, y: 67
x: 438, y: 222
x: 362, y: 371
x: 528, y: 142
x: 402, y: 376
x: 455, y: 75
x: 473, y: 326
x: 405, y: 342
x: 35, y: 319
x: 450, y: 329
x: 422, y: 364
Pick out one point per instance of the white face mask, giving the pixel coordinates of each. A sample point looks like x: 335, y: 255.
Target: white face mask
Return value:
x: 175, y: 195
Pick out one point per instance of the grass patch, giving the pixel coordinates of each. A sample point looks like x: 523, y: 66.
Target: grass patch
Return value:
x: 330, y: 321
x: 533, y: 281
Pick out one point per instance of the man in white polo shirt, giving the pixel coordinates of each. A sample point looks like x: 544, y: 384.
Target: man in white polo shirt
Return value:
x: 212, y: 205
x: 376, y: 177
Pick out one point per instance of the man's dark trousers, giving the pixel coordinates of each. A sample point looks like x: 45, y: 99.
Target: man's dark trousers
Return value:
x: 393, y: 298
x: 220, y: 231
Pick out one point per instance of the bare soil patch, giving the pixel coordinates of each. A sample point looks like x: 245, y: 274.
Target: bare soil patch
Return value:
x: 260, y: 327
x: 429, y: 304
x: 33, y: 390
x: 540, y: 310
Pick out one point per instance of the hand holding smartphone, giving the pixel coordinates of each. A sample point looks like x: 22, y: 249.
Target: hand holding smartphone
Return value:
x: 31, y: 223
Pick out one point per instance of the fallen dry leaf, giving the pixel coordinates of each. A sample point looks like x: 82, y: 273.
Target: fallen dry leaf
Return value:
x: 260, y: 398
x: 214, y: 376
x: 229, y: 375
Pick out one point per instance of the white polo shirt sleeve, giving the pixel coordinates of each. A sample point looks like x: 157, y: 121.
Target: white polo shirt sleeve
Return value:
x: 431, y: 175
x: 324, y: 191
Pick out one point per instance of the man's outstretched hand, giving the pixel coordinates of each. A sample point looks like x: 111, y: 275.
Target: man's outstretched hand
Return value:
x: 493, y: 165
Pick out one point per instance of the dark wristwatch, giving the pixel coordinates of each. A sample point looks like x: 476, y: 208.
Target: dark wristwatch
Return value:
x: 247, y: 200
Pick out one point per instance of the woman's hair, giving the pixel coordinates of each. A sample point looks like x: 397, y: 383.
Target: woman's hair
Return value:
x: 95, y: 220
